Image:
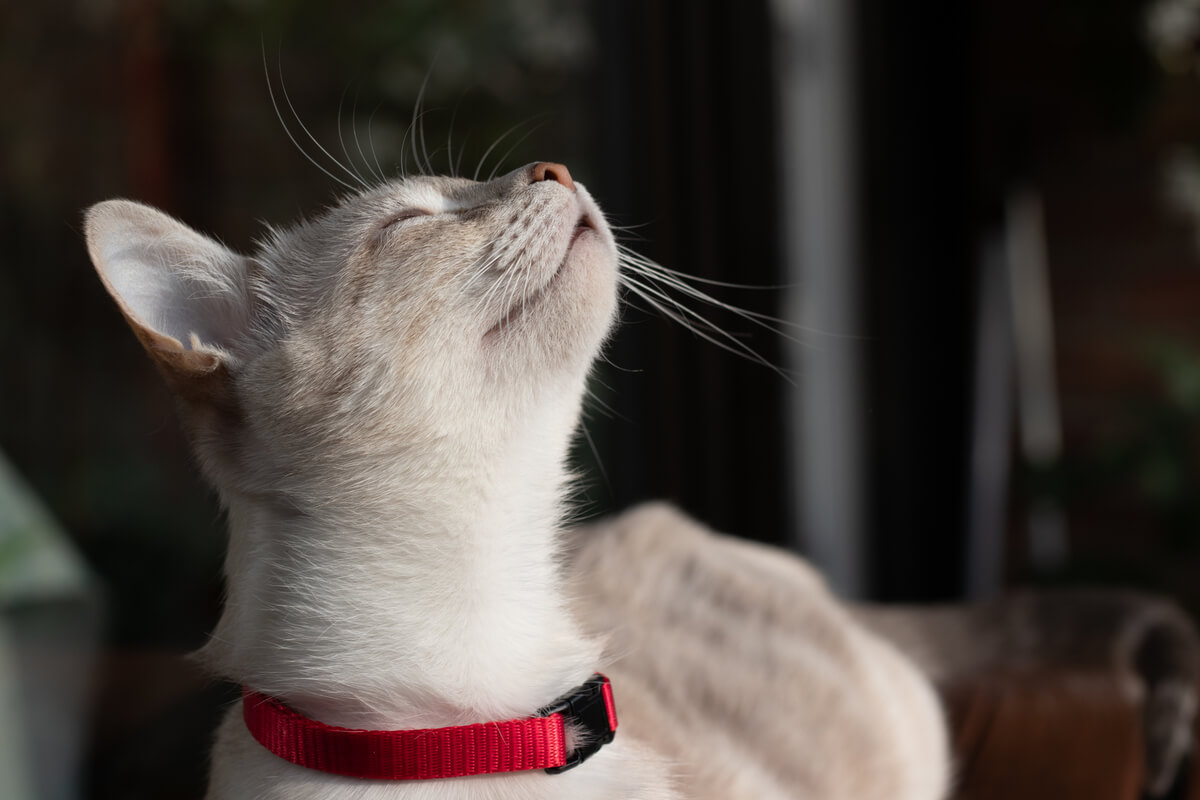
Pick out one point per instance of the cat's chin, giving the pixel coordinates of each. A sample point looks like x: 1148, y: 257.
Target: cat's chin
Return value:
x: 569, y: 289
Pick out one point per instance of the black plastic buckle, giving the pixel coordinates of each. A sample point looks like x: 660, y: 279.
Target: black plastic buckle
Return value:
x: 585, y: 710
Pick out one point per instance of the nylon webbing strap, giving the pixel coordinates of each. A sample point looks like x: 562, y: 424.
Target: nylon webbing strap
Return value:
x: 480, y: 749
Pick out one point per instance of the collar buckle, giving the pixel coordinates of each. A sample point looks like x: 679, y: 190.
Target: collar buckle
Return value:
x: 590, y: 712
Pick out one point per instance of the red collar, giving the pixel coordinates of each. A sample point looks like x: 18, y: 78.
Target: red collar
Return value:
x: 538, y: 742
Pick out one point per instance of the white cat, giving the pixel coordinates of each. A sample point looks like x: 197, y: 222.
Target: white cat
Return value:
x: 383, y: 397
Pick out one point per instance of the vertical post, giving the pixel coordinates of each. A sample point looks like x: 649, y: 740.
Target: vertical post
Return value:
x: 991, y: 424
x: 815, y: 73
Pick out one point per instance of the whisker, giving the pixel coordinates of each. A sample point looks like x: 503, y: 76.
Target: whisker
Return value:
x: 490, y: 294
x: 375, y: 172
x: 479, y: 272
x: 767, y: 321
x: 450, y: 139
x: 288, y: 130
x: 342, y: 139
x: 404, y: 145
x: 604, y: 356
x: 287, y: 98
x: 374, y: 152
x: 630, y: 253
x: 482, y: 269
x: 604, y: 407
x: 629, y: 230
x: 418, y: 127
x: 680, y: 282
x: 458, y: 164
x: 583, y: 428
x: 512, y: 291
x: 510, y: 150
x: 488, y: 152
x: 697, y: 323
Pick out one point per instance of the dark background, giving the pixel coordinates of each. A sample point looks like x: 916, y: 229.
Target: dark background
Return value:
x: 667, y: 111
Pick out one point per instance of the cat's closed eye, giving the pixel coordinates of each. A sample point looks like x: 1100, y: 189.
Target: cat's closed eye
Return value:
x: 404, y: 215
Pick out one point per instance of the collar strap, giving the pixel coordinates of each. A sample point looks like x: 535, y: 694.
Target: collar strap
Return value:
x: 538, y: 742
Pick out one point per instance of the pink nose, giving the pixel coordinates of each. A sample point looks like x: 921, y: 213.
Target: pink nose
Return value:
x: 549, y: 171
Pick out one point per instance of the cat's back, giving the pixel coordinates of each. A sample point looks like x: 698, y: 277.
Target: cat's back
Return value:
x: 735, y: 662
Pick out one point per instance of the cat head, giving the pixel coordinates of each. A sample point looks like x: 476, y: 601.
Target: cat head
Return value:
x: 426, y: 310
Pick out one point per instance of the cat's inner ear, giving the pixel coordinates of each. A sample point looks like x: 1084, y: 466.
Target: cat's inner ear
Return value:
x: 180, y: 290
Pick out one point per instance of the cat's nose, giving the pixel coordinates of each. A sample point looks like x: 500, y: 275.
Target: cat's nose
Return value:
x: 549, y: 171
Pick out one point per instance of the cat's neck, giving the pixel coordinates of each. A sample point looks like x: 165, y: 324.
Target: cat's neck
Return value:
x: 437, y: 601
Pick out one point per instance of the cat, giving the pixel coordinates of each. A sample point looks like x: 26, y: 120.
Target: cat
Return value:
x: 383, y: 397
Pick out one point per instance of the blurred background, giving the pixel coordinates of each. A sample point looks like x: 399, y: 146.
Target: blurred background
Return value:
x: 979, y: 221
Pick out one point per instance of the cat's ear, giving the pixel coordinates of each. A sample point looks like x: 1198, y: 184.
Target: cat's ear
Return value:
x: 184, y: 294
